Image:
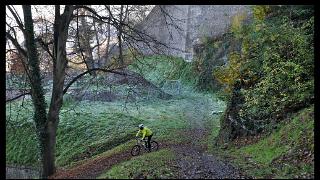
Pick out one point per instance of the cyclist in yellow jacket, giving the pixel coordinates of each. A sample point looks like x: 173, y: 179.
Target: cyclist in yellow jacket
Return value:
x: 146, y: 132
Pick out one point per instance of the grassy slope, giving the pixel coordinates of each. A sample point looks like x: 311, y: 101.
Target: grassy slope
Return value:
x: 92, y: 124
x: 87, y: 125
x: 159, y: 164
x: 151, y: 166
x: 159, y: 69
x: 97, y: 125
x: 89, y: 128
x: 20, y: 134
x: 286, y: 153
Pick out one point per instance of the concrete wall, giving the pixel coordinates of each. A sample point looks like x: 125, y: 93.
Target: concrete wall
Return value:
x: 166, y: 30
x: 182, y: 26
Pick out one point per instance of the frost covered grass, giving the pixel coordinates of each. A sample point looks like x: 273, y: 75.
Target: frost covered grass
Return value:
x: 89, y: 128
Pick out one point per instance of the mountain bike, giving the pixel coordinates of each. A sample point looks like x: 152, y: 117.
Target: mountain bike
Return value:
x: 142, y: 144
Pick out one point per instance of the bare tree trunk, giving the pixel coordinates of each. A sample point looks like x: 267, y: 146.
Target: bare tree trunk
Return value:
x: 59, y: 65
x: 119, y: 37
x: 85, y: 33
x: 108, y: 40
x: 98, y: 42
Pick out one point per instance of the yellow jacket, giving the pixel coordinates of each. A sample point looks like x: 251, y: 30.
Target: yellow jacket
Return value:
x: 145, y: 132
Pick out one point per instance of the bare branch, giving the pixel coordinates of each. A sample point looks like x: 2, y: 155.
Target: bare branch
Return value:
x: 78, y: 38
x: 92, y: 11
x: 17, y: 97
x: 45, y: 46
x: 17, y: 45
x: 91, y: 70
x: 17, y: 18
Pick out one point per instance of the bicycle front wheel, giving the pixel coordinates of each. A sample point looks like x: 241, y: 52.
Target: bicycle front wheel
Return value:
x: 135, y: 150
x: 154, y: 145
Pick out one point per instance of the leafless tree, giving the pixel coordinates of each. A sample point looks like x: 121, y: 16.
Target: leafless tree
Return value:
x: 55, y: 47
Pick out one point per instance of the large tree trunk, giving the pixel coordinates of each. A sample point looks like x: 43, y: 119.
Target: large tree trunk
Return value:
x: 37, y: 93
x: 48, y: 142
x: 59, y: 65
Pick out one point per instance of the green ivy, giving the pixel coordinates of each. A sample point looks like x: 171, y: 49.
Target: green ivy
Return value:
x: 275, y: 65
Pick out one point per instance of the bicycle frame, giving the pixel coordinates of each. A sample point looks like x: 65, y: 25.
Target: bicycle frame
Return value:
x: 142, y: 143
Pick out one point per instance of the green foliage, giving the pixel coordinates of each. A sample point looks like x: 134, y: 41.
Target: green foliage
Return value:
x: 260, y: 12
x: 151, y: 166
x: 275, y: 64
x: 203, y: 65
x: 228, y: 74
x: 287, y: 71
x: 208, y: 55
x: 237, y: 22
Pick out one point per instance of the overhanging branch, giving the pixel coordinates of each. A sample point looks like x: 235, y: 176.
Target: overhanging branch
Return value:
x: 91, y: 70
x: 17, y: 97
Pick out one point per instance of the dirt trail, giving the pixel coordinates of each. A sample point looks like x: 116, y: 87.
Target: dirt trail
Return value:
x: 92, y: 168
x: 193, y: 161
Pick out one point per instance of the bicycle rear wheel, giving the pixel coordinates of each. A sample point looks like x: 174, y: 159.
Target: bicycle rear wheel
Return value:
x: 154, y: 145
x: 135, y: 150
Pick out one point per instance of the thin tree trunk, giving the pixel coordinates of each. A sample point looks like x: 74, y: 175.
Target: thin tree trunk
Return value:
x: 108, y: 41
x: 98, y: 42
x: 119, y: 37
x: 85, y: 33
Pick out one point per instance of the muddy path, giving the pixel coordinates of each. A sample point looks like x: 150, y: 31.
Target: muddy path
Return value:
x: 193, y: 161
x: 92, y: 168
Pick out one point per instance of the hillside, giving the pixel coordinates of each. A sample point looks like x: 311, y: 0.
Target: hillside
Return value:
x: 242, y: 108
x: 93, y: 130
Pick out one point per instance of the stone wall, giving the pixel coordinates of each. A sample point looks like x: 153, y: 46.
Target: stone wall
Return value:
x: 181, y: 27
x: 21, y: 172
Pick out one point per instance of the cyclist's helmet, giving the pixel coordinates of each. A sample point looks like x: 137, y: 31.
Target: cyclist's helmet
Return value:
x: 141, y: 126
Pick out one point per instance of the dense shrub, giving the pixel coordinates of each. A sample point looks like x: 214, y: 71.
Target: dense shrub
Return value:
x: 286, y: 70
x: 274, y: 67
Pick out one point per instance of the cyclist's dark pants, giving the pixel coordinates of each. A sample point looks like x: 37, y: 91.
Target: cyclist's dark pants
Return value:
x: 149, y: 139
